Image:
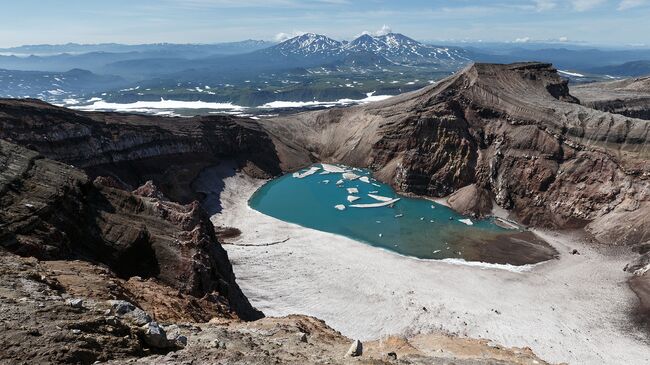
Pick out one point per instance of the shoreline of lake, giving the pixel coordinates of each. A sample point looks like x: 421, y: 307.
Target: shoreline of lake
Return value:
x: 576, y: 309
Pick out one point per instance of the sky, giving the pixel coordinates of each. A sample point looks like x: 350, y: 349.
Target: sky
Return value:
x: 602, y: 22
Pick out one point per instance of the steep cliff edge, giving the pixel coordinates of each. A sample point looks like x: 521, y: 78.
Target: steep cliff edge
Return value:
x: 512, y: 131
x: 52, y: 211
x: 629, y: 97
x: 136, y: 148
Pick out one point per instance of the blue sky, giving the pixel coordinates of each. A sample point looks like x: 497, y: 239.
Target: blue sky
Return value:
x: 611, y: 22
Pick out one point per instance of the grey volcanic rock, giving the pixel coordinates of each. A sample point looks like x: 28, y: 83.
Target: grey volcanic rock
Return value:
x: 629, y: 97
x: 127, y: 309
x: 155, y: 336
x: 512, y: 130
x: 356, y: 349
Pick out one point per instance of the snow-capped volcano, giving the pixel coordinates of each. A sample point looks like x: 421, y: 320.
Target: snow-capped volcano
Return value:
x: 399, y: 48
x: 389, y: 48
x: 310, y: 44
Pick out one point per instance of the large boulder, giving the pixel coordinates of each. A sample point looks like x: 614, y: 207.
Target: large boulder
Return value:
x: 356, y: 349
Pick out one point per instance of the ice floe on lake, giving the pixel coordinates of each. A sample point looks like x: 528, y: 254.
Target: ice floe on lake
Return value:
x: 350, y: 176
x: 332, y: 168
x: 380, y: 198
x: 309, y: 172
x: 375, y: 205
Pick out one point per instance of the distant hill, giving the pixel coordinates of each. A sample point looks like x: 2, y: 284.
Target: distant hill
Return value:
x: 564, y: 58
x: 54, y: 86
x: 245, y: 46
x: 633, y: 69
x: 60, y: 58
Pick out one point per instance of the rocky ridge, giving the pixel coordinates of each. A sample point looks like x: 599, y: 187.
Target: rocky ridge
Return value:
x: 136, y: 148
x: 629, y: 97
x: 513, y: 131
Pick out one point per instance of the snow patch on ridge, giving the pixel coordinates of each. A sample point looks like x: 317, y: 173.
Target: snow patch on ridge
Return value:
x: 570, y: 73
x: 370, y: 97
x: 147, y: 106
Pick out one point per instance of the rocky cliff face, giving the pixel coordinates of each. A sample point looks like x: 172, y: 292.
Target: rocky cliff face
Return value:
x: 629, y: 97
x: 134, y: 148
x: 53, y: 211
x: 514, y: 132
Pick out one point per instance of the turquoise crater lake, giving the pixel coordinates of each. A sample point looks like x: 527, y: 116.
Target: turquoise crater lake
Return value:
x: 349, y: 202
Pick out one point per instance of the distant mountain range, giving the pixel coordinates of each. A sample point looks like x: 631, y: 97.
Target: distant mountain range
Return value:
x: 304, y: 68
x: 54, y: 86
x: 393, y: 47
x: 580, y: 59
x: 401, y: 49
x: 248, y: 45
x: 307, y: 50
x: 635, y: 69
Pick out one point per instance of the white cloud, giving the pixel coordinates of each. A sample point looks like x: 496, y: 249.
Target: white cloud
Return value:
x: 544, y: 5
x: 584, y: 5
x: 563, y: 39
x: 630, y: 4
x: 522, y: 40
x: 385, y: 29
x: 281, y: 37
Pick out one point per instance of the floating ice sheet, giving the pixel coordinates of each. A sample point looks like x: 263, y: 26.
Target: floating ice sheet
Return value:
x: 380, y: 198
x: 350, y: 176
x: 311, y: 171
x: 332, y: 168
x: 375, y: 205
x: 466, y: 221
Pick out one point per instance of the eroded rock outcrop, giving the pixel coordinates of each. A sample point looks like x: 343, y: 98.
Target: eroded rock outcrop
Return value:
x: 53, y: 211
x: 629, y: 97
x: 135, y: 148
